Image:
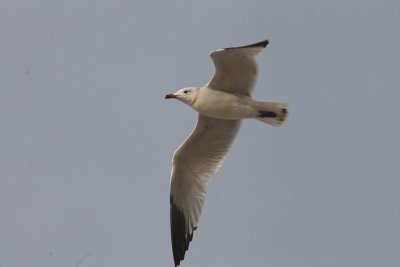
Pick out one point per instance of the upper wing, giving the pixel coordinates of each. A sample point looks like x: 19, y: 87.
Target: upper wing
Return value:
x: 236, y: 68
x: 194, y: 162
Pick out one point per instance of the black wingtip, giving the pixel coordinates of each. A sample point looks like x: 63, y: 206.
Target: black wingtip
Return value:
x: 180, y: 242
x: 259, y: 44
x: 262, y: 43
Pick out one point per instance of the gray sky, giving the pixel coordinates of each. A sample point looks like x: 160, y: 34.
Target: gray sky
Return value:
x: 86, y: 137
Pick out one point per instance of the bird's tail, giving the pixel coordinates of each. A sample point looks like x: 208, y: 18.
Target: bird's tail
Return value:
x: 272, y: 113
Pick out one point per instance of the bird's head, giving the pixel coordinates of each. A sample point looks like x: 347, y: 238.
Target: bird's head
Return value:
x: 187, y: 95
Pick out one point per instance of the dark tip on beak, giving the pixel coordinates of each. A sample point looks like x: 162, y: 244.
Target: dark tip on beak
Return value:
x: 170, y: 96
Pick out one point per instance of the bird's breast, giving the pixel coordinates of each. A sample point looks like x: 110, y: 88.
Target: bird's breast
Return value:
x: 221, y: 105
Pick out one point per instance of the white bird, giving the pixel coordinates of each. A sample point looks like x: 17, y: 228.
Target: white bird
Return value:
x: 221, y: 104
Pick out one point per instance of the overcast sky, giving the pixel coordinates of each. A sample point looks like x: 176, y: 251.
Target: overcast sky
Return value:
x: 86, y: 137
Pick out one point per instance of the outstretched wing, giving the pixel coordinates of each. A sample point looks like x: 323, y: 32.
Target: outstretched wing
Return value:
x: 194, y: 162
x: 236, y: 68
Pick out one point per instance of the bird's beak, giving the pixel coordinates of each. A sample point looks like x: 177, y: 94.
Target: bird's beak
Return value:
x: 170, y: 96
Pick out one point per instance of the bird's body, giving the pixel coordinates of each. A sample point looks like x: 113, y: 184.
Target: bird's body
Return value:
x: 222, y: 103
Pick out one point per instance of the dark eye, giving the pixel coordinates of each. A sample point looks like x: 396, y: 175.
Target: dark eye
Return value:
x: 186, y: 91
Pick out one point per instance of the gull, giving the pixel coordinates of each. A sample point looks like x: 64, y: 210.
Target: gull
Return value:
x: 222, y: 103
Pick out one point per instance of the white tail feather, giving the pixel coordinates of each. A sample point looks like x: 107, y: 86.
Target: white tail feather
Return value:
x: 272, y: 113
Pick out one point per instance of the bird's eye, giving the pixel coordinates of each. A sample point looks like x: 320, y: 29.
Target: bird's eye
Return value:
x: 186, y: 91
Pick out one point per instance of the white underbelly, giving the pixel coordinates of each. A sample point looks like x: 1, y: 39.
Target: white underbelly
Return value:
x: 226, y: 106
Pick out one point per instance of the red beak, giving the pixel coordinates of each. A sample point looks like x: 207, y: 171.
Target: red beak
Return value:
x: 170, y: 96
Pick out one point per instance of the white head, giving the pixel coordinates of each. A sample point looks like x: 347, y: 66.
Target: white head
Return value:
x: 187, y: 95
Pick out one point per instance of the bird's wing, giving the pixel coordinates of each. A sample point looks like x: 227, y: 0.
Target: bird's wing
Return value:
x: 236, y: 68
x: 194, y: 162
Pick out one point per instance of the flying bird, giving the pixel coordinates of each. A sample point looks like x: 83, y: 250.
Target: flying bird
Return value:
x: 222, y: 103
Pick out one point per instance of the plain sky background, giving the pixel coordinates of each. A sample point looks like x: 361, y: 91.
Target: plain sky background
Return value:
x: 86, y: 137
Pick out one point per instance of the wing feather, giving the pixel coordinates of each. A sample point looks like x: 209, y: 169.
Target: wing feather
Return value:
x: 194, y: 162
x: 236, y: 68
